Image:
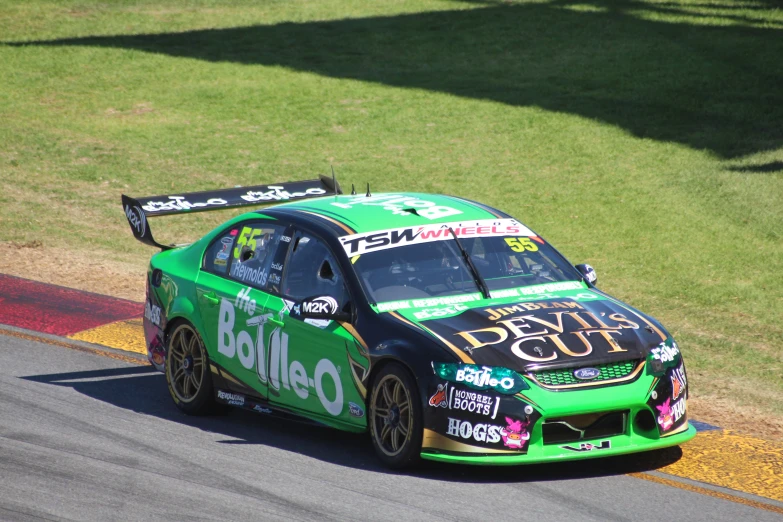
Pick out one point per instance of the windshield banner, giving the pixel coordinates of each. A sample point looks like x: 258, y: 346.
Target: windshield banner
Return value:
x: 358, y: 244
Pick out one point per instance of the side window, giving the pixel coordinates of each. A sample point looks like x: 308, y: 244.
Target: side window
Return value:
x: 254, y: 252
x: 312, y: 270
x: 219, y: 252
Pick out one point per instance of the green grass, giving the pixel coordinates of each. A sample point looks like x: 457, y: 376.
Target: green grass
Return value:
x: 643, y: 137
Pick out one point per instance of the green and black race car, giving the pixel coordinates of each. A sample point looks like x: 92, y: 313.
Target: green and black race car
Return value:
x: 447, y: 329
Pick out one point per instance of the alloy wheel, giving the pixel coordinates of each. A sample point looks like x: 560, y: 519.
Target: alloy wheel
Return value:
x: 185, y: 363
x: 391, y: 415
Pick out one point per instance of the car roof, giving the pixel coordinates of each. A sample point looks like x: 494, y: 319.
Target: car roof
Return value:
x: 361, y: 213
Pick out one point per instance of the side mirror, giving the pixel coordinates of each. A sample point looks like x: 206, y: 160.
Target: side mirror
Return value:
x: 588, y: 272
x: 320, y: 307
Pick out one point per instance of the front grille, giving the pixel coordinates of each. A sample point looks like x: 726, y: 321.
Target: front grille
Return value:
x: 609, y: 371
x: 589, y: 426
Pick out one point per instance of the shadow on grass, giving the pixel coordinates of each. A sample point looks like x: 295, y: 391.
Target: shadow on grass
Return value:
x: 710, y: 87
x: 143, y: 390
x: 772, y: 166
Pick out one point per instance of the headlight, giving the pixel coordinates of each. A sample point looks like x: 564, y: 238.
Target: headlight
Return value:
x: 665, y: 355
x: 501, y: 380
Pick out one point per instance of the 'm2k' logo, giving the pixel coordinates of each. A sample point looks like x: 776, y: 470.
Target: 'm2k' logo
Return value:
x: 586, y: 446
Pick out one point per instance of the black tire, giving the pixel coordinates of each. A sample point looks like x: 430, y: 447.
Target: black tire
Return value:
x: 187, y: 370
x: 396, y: 417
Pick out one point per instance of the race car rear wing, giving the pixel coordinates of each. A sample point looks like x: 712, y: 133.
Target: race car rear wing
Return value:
x: 137, y: 210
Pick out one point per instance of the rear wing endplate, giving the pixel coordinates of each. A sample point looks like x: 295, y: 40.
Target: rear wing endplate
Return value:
x: 138, y: 210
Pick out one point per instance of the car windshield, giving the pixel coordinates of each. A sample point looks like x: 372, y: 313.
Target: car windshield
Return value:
x: 438, y: 268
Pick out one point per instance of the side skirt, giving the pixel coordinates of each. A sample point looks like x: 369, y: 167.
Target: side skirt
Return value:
x: 231, y: 391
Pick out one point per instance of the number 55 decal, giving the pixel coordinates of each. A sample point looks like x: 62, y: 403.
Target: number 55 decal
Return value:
x: 247, y: 237
x: 520, y: 244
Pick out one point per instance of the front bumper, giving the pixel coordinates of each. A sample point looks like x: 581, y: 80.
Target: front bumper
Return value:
x: 646, y: 413
x: 538, y: 453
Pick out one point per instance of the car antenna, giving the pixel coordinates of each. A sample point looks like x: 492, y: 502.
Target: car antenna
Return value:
x: 368, y: 190
x: 334, y: 180
x: 353, y: 190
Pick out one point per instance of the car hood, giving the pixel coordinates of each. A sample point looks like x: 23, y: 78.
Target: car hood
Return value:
x: 579, y: 330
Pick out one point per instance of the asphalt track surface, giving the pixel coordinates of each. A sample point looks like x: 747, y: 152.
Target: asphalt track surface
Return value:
x: 86, y: 437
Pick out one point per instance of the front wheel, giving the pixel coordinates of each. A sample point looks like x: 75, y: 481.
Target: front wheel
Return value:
x: 187, y: 371
x: 396, y: 417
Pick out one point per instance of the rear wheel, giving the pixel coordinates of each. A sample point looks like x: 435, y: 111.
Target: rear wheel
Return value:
x: 187, y: 370
x: 396, y: 417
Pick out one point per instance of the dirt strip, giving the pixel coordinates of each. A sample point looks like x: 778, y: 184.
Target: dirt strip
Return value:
x: 125, y: 335
x: 73, y: 344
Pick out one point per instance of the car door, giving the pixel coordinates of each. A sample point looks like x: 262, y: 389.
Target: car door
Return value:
x: 315, y: 366
x: 231, y: 289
